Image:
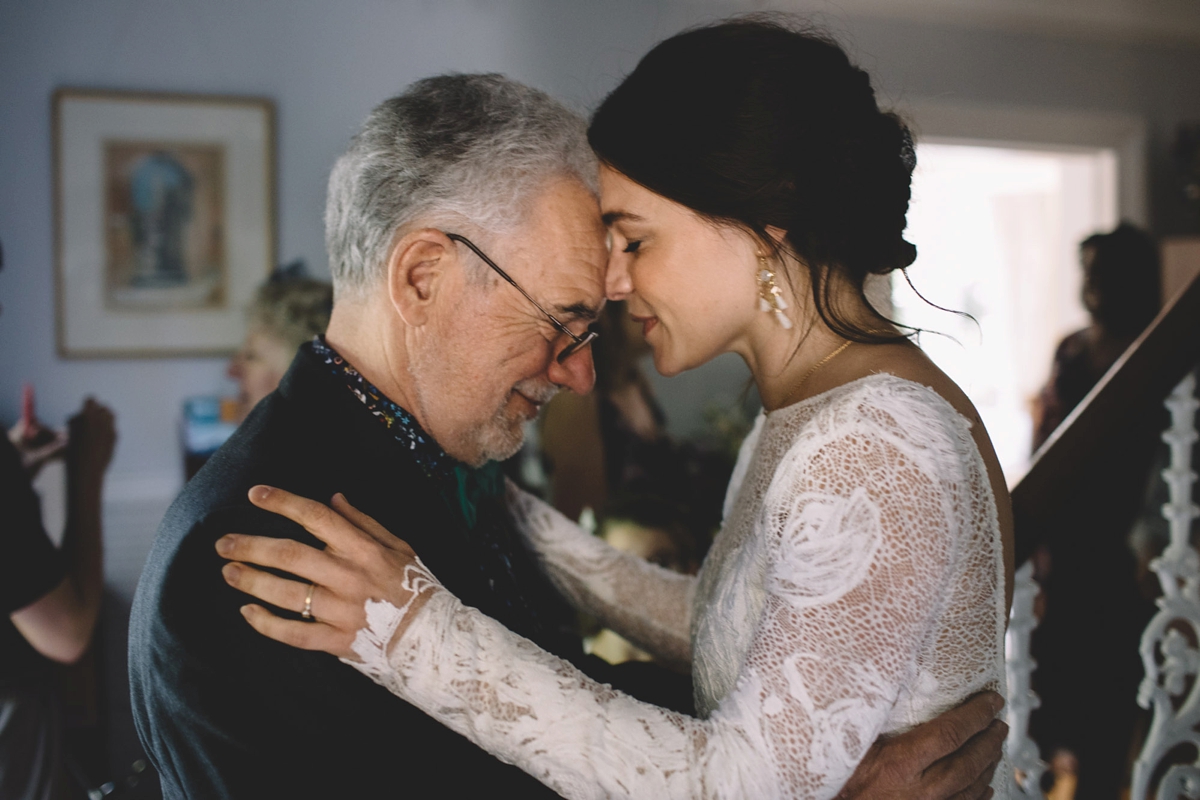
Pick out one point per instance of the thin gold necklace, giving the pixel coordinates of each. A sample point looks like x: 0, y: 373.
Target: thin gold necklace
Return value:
x: 837, y: 352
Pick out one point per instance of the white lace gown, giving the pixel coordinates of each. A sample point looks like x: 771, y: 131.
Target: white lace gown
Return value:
x: 856, y: 589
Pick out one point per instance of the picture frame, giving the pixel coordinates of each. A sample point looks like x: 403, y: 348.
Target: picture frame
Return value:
x: 164, y: 220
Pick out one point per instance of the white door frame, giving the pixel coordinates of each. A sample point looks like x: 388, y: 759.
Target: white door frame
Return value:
x: 951, y: 122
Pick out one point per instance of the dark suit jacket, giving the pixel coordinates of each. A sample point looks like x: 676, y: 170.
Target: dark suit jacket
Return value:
x: 225, y: 712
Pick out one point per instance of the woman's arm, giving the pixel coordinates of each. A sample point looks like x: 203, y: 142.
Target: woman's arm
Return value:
x: 851, y: 591
x: 648, y: 605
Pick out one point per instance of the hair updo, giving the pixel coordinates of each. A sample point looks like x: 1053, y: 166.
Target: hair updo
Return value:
x: 752, y: 123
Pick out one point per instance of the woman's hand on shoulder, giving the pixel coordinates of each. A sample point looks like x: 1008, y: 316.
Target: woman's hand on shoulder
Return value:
x: 361, y: 562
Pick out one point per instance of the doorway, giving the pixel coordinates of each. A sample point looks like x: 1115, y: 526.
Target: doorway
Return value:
x: 997, y: 230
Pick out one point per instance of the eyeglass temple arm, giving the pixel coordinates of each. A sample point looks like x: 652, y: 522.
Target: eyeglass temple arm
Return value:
x: 514, y: 284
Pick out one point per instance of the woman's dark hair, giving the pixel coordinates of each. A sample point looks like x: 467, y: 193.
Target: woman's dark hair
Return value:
x: 1122, y: 282
x: 753, y: 123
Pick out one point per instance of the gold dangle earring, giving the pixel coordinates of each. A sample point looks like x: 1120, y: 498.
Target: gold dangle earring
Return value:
x: 770, y: 296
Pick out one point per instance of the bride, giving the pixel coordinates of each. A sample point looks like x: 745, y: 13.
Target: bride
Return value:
x: 860, y: 582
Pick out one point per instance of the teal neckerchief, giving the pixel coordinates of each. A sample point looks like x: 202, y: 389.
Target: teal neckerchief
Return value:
x: 475, y: 483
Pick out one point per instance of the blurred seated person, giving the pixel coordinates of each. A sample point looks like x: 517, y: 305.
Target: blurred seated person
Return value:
x: 612, y: 444
x: 50, y: 596
x: 596, y: 444
x: 1121, y: 292
x: 288, y: 310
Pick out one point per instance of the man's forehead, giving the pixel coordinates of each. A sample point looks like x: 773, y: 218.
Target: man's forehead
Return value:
x: 575, y: 280
x: 567, y: 222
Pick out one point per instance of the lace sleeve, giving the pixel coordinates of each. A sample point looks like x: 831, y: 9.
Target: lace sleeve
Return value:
x: 861, y: 542
x: 648, y: 605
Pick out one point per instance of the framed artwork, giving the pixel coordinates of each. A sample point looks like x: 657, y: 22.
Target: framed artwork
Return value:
x: 164, y: 220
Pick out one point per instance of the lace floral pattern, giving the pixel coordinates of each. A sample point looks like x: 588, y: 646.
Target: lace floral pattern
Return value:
x: 856, y: 589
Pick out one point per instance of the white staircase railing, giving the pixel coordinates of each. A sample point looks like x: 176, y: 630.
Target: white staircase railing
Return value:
x: 1022, y: 750
x: 1170, y: 646
x: 1169, y: 650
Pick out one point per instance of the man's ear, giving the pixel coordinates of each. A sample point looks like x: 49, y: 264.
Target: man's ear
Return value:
x: 417, y: 270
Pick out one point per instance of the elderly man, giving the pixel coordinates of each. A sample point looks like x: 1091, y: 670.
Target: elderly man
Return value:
x: 429, y: 369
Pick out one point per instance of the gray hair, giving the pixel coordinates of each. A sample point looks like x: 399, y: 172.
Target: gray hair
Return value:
x: 465, y: 148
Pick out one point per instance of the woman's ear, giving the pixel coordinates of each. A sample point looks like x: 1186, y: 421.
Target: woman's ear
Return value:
x: 778, y: 235
x: 417, y: 272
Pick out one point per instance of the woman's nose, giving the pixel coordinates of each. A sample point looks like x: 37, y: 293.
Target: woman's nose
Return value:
x: 617, y: 283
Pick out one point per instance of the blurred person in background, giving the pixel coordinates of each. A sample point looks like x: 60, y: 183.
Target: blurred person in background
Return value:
x: 1093, y: 610
x: 611, y: 447
x: 1121, y: 289
x: 288, y: 310
x: 596, y: 444
x: 50, y: 596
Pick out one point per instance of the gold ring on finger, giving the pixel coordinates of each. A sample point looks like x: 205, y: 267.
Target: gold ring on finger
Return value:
x: 307, y: 612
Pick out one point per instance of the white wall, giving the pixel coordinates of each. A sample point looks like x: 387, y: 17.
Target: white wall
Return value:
x: 326, y: 63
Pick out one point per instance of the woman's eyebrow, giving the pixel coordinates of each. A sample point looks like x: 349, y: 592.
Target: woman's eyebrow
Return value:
x: 608, y: 218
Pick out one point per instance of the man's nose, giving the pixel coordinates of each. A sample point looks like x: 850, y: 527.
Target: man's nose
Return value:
x: 617, y: 283
x: 234, y: 368
x: 576, y: 372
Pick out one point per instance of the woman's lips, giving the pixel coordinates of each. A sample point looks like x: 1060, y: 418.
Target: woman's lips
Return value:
x: 648, y: 323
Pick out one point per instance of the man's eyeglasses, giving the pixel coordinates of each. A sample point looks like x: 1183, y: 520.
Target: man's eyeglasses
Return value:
x: 577, y: 342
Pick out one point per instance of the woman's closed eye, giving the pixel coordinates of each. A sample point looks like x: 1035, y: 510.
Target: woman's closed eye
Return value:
x: 632, y: 246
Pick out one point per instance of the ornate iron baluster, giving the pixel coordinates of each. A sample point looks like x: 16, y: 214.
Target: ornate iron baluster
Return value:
x: 1168, y: 649
x: 1022, y: 750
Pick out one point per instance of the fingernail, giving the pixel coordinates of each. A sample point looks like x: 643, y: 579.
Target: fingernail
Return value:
x: 997, y: 703
x: 245, y: 611
x: 231, y: 572
x: 260, y: 493
x: 225, y: 544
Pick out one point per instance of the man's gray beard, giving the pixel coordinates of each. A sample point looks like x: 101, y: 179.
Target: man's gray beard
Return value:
x: 503, y: 436
x: 498, y: 439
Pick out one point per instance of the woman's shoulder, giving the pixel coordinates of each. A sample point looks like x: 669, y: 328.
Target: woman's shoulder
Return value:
x: 879, y: 400
x: 897, y: 374
x: 907, y: 399
x: 899, y: 411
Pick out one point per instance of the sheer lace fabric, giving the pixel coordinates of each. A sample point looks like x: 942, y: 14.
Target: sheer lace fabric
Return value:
x: 855, y: 589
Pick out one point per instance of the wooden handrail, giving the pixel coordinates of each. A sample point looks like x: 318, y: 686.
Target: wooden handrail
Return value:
x: 1143, y: 375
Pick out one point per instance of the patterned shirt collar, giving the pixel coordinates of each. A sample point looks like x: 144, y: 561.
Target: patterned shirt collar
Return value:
x: 428, y: 454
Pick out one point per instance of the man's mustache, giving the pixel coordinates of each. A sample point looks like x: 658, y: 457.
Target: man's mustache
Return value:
x: 537, y: 391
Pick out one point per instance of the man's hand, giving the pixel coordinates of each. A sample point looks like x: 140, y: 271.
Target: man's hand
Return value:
x: 951, y: 757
